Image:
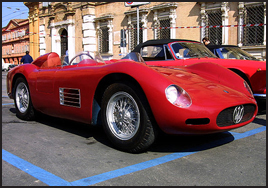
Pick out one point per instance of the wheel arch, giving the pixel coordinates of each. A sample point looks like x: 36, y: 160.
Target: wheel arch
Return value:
x: 242, y: 75
x: 108, y: 80
x: 16, y: 76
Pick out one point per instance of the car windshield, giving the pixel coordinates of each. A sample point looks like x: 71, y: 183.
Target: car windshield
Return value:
x: 135, y: 56
x: 191, y: 50
x: 236, y: 53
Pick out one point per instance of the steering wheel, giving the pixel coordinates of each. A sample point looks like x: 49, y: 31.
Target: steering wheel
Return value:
x: 80, y: 57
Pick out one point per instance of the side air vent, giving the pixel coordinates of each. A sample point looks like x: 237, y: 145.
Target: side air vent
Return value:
x: 70, y: 97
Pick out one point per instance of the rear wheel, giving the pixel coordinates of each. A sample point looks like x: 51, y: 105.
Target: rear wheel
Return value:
x: 125, y: 118
x: 22, y: 100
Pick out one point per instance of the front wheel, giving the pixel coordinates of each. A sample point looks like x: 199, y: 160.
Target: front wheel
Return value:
x: 125, y: 118
x: 22, y: 100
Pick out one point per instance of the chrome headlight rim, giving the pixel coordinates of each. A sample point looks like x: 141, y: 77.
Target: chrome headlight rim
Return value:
x: 248, y: 89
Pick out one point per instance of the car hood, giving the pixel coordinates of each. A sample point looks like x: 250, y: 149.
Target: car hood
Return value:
x: 195, y: 81
x: 230, y: 63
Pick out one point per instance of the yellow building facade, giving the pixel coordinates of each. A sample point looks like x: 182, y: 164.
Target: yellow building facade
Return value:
x: 33, y: 28
x: 111, y: 27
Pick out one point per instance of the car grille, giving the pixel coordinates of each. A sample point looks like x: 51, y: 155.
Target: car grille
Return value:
x: 70, y: 97
x: 229, y: 116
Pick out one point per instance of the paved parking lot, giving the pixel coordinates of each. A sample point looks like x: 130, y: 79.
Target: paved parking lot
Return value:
x: 52, y: 151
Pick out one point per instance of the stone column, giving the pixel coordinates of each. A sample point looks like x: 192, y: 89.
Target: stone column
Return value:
x: 42, y: 37
x: 89, y: 33
x: 173, y: 17
x: 203, y: 21
x: 144, y: 25
x: 240, y: 23
x: 225, y: 21
x: 71, y: 38
x: 110, y: 26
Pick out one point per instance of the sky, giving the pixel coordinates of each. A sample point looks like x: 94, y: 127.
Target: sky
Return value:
x: 13, y: 10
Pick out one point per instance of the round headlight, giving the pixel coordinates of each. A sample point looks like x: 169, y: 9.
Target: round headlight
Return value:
x: 178, y: 96
x: 172, y: 94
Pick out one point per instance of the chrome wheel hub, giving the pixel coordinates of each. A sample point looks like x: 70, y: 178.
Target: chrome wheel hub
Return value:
x: 123, y: 116
x: 22, y: 97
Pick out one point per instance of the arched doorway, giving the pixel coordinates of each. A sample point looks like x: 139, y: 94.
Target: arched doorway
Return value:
x: 64, y: 42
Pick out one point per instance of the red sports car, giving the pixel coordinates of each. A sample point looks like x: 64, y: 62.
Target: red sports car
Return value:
x: 230, y: 52
x: 132, y: 99
x: 179, y: 52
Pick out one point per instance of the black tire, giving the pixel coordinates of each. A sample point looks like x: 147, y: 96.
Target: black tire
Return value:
x: 128, y: 125
x: 22, y: 100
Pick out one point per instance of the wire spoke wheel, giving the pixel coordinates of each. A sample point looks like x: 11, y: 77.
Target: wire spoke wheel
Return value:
x: 22, y: 97
x: 22, y: 100
x: 123, y: 115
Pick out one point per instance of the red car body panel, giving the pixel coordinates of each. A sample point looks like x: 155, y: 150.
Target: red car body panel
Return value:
x: 255, y: 71
x: 210, y: 93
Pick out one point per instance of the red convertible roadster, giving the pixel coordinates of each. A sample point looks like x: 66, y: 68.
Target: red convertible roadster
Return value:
x: 180, y: 52
x: 132, y: 99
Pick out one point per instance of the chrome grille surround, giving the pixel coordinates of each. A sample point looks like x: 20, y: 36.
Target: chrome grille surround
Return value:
x: 228, y: 116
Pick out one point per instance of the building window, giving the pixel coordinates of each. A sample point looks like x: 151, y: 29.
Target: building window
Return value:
x: 214, y: 15
x: 104, y: 39
x: 133, y: 34
x: 253, y: 35
x: 164, y: 31
x: 23, y: 33
x: 19, y: 33
x: 64, y: 42
x: 164, y: 19
x: 133, y: 27
x: 160, y: 26
x: 27, y: 32
x: 214, y: 18
x: 4, y: 38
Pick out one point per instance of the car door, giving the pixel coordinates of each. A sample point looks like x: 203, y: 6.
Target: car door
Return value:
x: 45, y: 80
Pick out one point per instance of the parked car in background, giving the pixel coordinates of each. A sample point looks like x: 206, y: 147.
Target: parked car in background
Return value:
x: 130, y: 99
x: 180, y: 52
x: 11, y: 66
x: 230, y: 52
x: 5, y: 66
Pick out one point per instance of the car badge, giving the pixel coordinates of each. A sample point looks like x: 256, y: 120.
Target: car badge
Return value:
x: 226, y: 91
x: 238, y: 114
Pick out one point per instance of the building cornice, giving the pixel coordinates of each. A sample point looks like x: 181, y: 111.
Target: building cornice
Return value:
x: 165, y: 5
x: 142, y: 11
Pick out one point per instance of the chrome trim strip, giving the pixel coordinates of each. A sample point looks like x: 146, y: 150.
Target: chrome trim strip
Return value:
x: 260, y: 95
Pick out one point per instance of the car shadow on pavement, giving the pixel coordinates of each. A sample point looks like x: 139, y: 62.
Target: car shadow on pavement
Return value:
x: 259, y: 121
x: 90, y: 132
x: 163, y: 143
x: 193, y: 143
